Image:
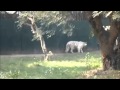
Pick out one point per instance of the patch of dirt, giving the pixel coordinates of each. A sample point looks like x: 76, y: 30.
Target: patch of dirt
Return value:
x: 100, y: 74
x: 91, y: 73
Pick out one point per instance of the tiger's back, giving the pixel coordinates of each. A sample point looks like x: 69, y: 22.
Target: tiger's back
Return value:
x: 71, y: 45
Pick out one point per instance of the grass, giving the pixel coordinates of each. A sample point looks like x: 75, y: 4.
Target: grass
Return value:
x: 60, y: 66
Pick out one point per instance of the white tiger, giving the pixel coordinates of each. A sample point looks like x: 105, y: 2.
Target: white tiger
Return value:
x: 71, y: 45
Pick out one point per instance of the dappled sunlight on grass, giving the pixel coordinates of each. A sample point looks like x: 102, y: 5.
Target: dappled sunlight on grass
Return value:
x: 60, y: 66
x: 57, y: 64
x: 88, y: 61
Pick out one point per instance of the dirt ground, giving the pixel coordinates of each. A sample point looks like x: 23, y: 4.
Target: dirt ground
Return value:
x: 100, y: 74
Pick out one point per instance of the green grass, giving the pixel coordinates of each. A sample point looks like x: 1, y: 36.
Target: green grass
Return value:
x: 60, y: 66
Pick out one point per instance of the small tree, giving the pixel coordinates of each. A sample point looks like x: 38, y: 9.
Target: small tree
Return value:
x: 39, y: 21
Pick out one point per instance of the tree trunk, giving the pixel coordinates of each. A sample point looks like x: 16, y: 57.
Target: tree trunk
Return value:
x: 39, y: 35
x: 116, y: 63
x: 106, y: 40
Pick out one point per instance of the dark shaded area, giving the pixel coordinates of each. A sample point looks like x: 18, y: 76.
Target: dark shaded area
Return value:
x: 14, y: 41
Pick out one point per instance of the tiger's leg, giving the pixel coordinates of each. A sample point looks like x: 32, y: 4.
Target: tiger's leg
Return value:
x: 78, y: 50
x: 67, y: 48
x: 81, y: 50
x: 71, y: 50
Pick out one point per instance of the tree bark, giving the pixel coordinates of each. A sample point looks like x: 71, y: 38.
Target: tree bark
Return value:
x: 38, y: 33
x: 106, y: 39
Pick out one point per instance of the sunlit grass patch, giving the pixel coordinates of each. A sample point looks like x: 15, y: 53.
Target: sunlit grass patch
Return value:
x: 57, y: 64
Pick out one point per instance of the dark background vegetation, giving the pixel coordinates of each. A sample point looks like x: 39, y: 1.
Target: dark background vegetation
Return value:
x: 19, y: 41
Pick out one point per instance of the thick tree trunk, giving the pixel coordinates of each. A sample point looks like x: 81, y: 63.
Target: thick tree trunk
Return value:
x: 116, y: 63
x: 106, y: 40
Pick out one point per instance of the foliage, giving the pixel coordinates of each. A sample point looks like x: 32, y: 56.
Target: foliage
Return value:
x: 115, y: 14
x: 47, y: 21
